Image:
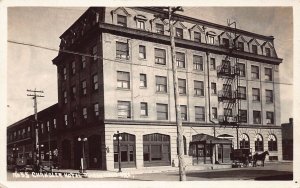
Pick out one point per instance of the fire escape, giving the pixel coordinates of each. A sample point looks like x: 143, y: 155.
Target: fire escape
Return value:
x: 230, y: 96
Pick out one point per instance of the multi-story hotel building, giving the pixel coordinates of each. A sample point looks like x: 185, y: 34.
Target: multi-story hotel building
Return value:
x: 115, y: 75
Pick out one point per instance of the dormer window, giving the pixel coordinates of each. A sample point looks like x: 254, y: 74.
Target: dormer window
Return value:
x: 254, y: 49
x: 179, y: 33
x: 268, y: 52
x: 122, y: 20
x: 197, y: 37
x: 225, y: 42
x: 141, y: 24
x: 159, y: 28
x: 241, y: 46
x: 210, y: 39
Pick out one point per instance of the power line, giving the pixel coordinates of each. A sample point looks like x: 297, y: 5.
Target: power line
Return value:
x: 120, y: 61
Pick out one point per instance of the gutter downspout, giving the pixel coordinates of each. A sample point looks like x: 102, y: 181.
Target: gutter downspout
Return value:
x: 209, y: 107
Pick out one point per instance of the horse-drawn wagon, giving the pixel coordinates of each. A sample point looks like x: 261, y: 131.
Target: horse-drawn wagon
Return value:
x: 241, y: 157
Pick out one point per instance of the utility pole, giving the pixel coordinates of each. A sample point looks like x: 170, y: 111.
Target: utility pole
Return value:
x: 34, y: 95
x: 182, y: 174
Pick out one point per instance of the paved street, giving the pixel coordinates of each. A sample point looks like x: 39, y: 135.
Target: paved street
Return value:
x: 271, y: 171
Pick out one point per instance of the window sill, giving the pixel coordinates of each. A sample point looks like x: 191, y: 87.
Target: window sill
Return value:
x: 142, y: 59
x: 255, y: 101
x: 121, y: 59
x: 142, y: 87
x: 157, y: 92
x: 269, y: 102
x: 159, y: 64
x: 201, y: 96
x: 197, y: 70
x: 213, y: 94
x: 182, y: 94
x: 144, y: 116
x: 123, y: 89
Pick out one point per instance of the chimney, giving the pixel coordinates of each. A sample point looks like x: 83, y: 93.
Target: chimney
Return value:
x: 291, y: 120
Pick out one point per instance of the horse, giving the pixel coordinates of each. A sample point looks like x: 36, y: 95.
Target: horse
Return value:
x: 260, y: 157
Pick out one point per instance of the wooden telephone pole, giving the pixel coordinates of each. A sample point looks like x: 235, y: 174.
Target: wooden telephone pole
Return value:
x: 182, y: 174
x: 33, y: 94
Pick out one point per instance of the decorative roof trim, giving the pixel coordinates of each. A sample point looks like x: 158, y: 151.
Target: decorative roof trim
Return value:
x: 180, y: 23
x: 122, y: 9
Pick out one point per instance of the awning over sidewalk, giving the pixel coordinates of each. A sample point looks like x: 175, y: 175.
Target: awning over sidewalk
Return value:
x: 207, y: 139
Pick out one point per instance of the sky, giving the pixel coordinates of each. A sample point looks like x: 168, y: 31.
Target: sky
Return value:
x: 30, y: 68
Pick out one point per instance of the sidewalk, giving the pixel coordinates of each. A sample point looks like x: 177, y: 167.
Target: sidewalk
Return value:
x: 144, y: 170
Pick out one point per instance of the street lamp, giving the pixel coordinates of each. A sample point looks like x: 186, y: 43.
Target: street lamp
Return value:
x: 118, y: 138
x: 83, y: 163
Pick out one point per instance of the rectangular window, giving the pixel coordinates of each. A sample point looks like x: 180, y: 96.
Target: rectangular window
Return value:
x: 198, y: 88
x: 225, y: 42
x: 210, y: 39
x: 198, y: 62
x: 54, y: 123
x: 144, y: 109
x: 242, y: 92
x: 197, y: 36
x: 141, y: 24
x: 228, y: 112
x: 42, y: 129
x: 255, y: 94
x: 73, y: 94
x: 241, y: 69
x: 122, y: 50
x: 254, y: 49
x: 268, y: 74
x: 268, y: 52
x: 143, y: 80
x: 199, y: 113
x: 270, y: 117
x: 122, y: 20
x: 256, y: 117
x: 269, y: 96
x: 161, y: 84
x: 73, y: 67
x: 84, y: 113
x: 83, y: 62
x: 243, y: 116
x: 96, y: 109
x: 180, y: 59
x: 183, y: 111
x: 160, y: 56
x: 254, y: 72
x: 83, y: 88
x: 94, y: 53
x: 74, y: 115
x: 212, y: 64
x: 123, y: 80
x: 162, y: 111
x: 214, y: 113
x: 241, y: 46
x: 142, y: 52
x: 182, y: 86
x: 213, y: 88
x: 95, y: 82
x: 65, y: 73
x: 66, y: 119
x: 179, y: 33
x: 65, y: 97
x: 124, y: 109
x: 159, y: 28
